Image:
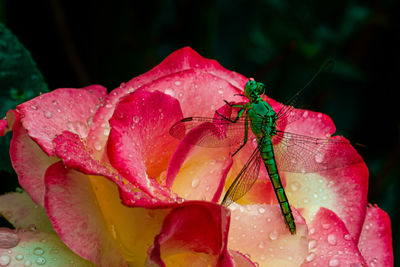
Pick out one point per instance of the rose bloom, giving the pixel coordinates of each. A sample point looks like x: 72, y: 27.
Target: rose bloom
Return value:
x: 105, y: 184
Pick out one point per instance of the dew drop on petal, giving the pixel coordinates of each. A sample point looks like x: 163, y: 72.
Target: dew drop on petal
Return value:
x: 40, y: 260
x: 334, y: 262
x: 273, y: 235
x: 347, y: 237
x: 332, y: 239
x: 19, y: 257
x: 305, y: 114
x: 28, y: 263
x: 38, y: 251
x: 170, y: 92
x: 295, y: 186
x: 326, y: 226
x: 261, y: 210
x: 312, y: 244
x: 8, y: 238
x: 195, y: 182
x: 319, y: 157
x: 135, y: 119
x: 310, y: 257
x: 48, y: 114
x: 97, y: 145
x: 5, y: 260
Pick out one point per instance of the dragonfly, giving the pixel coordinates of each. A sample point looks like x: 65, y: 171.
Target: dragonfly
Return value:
x: 279, y: 150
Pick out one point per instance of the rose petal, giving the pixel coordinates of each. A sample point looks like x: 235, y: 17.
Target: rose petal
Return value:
x: 260, y: 232
x: 75, y: 154
x: 375, y: 242
x: 167, y: 76
x: 343, y: 190
x: 4, y: 128
x: 29, y: 162
x: 185, y: 59
x: 38, y: 248
x: 241, y: 260
x: 139, y: 143
x: 22, y: 212
x: 182, y: 238
x: 76, y: 217
x: 63, y: 109
x: 330, y: 243
x: 198, y: 173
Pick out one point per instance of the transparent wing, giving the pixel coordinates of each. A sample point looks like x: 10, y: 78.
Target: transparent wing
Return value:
x: 209, y: 132
x: 245, y: 179
x: 305, y: 154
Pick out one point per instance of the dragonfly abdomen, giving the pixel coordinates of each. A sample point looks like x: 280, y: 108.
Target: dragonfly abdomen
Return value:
x: 268, y: 156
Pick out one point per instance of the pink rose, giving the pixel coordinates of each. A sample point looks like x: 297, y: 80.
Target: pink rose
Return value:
x: 109, y: 181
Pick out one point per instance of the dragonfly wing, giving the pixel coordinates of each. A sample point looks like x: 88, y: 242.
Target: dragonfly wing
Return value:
x: 305, y: 154
x: 245, y: 179
x: 209, y: 132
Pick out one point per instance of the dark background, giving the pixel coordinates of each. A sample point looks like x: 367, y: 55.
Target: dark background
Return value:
x: 281, y: 43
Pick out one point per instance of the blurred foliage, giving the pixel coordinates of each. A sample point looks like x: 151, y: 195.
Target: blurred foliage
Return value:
x: 20, y: 80
x: 279, y: 42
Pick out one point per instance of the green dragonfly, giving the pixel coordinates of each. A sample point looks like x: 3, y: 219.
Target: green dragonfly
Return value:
x: 279, y: 150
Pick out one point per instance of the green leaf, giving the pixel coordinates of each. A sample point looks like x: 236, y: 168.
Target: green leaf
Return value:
x: 20, y: 80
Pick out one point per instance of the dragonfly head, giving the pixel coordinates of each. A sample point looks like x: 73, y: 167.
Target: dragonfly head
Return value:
x: 253, y: 89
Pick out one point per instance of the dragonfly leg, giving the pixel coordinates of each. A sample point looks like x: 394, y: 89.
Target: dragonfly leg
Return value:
x: 240, y: 113
x: 246, y: 132
x: 231, y: 105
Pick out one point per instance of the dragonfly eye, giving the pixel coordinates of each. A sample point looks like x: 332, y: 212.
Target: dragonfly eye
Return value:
x: 260, y: 88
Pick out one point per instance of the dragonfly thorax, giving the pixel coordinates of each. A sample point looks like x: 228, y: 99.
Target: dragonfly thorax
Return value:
x: 262, y: 119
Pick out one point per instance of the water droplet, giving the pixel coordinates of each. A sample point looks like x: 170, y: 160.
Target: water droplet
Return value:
x: 319, y: 115
x: 40, y: 260
x: 135, y: 119
x: 195, y: 182
x: 34, y: 107
x: 305, y: 114
x: 273, y: 235
x: 315, y: 195
x: 237, y: 218
x: 28, y: 263
x: 326, y: 226
x: 319, y: 157
x: 97, y: 145
x: 310, y: 257
x: 334, y: 262
x: 261, y: 210
x: 19, y: 257
x: 108, y: 106
x: 332, y: 239
x: 178, y: 83
x: 170, y: 92
x: 347, y: 237
x: 220, y: 91
x: 312, y: 231
x: 5, y: 260
x: 38, y: 251
x: 48, y: 114
x: 295, y: 186
x: 8, y: 238
x: 106, y: 132
x: 312, y: 244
